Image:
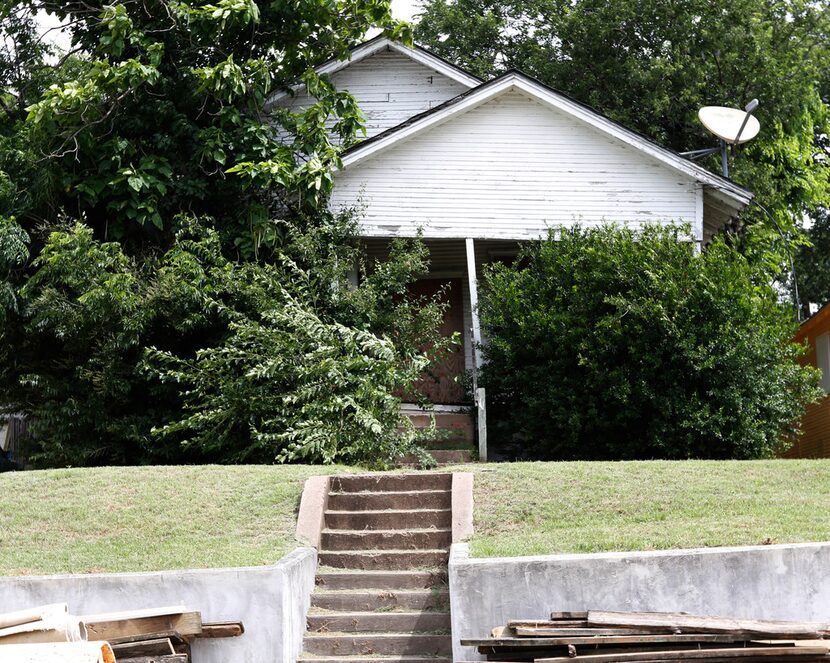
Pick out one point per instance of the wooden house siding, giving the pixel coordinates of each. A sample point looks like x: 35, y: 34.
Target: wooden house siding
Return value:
x: 511, y: 168
x: 389, y: 88
x: 814, y: 440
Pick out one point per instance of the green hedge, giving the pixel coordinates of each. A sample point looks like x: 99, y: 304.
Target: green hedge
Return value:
x: 611, y: 344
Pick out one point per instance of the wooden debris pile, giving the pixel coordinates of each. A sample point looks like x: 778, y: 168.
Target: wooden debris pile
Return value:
x: 596, y: 636
x: 158, y: 635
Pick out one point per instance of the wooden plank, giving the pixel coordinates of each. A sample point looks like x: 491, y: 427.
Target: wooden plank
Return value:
x: 569, y: 614
x: 173, y: 636
x: 690, y: 623
x: 187, y: 624
x: 558, y: 623
x: 171, y: 658
x: 135, y: 614
x: 687, y: 654
x: 519, y: 642
x: 564, y: 632
x: 222, y: 630
x: 151, y: 647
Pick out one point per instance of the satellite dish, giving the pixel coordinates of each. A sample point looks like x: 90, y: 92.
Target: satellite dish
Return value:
x: 731, y: 125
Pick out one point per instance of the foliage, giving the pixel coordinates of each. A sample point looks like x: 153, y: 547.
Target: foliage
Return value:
x: 650, y: 64
x: 611, y: 345
x: 159, y: 108
x: 291, y: 382
x: 812, y: 263
x: 285, y: 367
x: 163, y: 227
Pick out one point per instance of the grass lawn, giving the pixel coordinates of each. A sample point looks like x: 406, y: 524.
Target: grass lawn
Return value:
x: 148, y: 518
x: 544, y: 508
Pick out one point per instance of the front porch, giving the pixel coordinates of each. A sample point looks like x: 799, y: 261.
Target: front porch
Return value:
x: 456, y: 266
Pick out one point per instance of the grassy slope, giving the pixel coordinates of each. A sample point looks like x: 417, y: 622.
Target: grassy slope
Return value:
x: 542, y: 508
x: 147, y: 518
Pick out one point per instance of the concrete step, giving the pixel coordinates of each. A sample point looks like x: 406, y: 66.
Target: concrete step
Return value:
x: 353, y: 483
x: 411, y: 539
x: 364, y: 601
x: 339, y: 644
x: 384, y: 559
x: 374, y: 659
x: 389, y: 622
x: 348, y: 579
x: 380, y: 501
x: 393, y: 518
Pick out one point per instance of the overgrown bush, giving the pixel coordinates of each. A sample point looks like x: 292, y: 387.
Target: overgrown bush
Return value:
x: 192, y: 356
x: 611, y: 344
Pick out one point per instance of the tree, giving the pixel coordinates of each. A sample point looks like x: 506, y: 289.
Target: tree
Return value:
x: 652, y: 64
x: 159, y: 109
x: 603, y: 344
x: 156, y: 220
x: 812, y: 263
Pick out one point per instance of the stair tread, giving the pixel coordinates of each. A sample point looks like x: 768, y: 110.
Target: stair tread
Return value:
x: 380, y: 658
x: 419, y: 530
x: 332, y: 635
x: 340, y: 511
x: 407, y: 592
x: 315, y: 612
x: 383, y: 551
x: 401, y: 573
x: 323, y: 569
x: 389, y: 492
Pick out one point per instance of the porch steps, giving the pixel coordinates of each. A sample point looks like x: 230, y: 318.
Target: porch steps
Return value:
x: 381, y: 594
x: 454, y: 444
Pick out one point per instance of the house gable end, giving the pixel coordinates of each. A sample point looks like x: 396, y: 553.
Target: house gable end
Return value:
x: 725, y: 190
x: 511, y: 167
x: 390, y: 82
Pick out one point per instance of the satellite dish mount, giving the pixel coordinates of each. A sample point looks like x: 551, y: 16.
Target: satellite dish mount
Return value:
x: 732, y: 126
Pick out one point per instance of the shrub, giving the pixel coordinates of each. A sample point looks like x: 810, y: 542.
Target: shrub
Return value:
x: 191, y: 356
x: 611, y: 344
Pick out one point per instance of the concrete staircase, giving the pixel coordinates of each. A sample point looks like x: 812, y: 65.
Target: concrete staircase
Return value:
x: 381, y: 594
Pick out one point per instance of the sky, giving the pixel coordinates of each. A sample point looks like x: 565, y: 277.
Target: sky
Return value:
x: 403, y: 10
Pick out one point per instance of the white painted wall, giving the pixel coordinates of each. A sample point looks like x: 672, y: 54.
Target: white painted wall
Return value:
x: 271, y: 601
x: 511, y: 168
x: 389, y: 89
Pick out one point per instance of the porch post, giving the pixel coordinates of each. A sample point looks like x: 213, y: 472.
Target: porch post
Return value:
x: 480, y: 396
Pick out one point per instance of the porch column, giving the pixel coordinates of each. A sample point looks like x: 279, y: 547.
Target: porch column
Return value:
x: 480, y: 396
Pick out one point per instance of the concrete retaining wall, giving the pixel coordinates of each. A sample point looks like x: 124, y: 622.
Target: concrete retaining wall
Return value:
x: 773, y: 582
x: 271, y: 602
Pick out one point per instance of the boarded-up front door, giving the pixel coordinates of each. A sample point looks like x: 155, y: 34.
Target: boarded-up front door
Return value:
x: 439, y: 385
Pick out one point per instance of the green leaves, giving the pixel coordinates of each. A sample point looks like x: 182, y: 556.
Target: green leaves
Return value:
x: 186, y: 84
x: 616, y: 345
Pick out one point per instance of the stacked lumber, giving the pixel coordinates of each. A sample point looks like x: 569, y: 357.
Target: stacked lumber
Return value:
x: 596, y: 636
x: 157, y: 635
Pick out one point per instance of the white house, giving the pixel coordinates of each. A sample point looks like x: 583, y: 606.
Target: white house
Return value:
x: 480, y: 166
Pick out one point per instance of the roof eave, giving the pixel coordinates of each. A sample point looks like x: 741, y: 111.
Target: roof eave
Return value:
x: 376, y: 45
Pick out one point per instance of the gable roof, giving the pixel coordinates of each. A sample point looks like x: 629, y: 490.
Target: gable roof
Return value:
x: 727, y: 191
x: 379, y: 44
